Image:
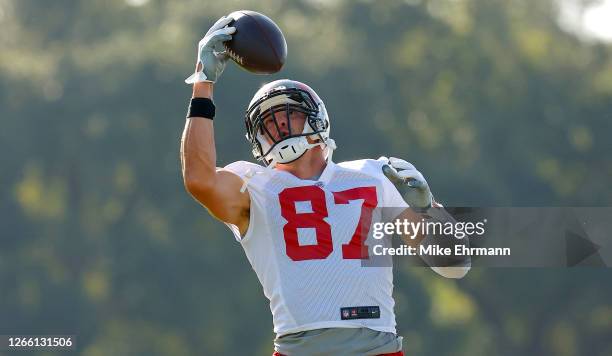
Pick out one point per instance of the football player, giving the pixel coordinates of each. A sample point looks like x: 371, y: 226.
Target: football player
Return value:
x: 298, y: 215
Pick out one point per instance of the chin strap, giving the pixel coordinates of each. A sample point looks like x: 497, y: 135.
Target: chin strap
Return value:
x: 330, y: 145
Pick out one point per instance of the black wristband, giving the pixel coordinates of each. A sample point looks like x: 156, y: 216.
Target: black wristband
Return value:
x: 201, y: 107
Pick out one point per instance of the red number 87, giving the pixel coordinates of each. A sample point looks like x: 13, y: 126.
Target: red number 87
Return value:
x: 354, y: 249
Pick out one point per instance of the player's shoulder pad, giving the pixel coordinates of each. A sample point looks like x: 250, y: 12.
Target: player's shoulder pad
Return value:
x: 241, y: 168
x: 369, y: 166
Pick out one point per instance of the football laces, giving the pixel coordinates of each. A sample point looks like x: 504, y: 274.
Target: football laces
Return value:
x: 234, y: 56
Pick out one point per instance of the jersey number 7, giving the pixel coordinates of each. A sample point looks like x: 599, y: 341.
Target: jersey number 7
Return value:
x: 354, y: 249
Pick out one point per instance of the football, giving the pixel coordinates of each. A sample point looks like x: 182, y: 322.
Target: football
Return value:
x: 258, y: 45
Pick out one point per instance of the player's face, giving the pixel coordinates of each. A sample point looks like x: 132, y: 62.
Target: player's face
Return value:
x: 284, y: 127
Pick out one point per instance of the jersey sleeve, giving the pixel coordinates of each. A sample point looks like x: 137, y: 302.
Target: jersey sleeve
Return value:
x: 240, y: 168
x: 390, y: 196
x: 247, y: 171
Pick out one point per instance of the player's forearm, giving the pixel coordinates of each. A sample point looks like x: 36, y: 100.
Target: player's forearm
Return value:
x: 411, y: 216
x: 452, y: 266
x: 198, y: 155
x: 203, y: 90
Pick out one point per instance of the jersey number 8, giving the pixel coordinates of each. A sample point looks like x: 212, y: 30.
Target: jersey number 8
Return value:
x: 354, y: 249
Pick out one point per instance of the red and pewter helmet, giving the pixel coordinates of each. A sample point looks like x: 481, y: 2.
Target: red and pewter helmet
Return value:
x: 287, y: 95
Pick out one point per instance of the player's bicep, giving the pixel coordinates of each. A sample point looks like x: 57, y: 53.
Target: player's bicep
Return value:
x: 224, y: 200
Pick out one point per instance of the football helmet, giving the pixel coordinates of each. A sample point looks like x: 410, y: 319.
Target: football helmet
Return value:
x: 288, y: 96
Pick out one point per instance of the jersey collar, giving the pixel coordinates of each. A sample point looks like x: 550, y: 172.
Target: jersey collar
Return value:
x: 324, y: 177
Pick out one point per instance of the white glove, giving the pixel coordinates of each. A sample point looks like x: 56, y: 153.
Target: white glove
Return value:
x: 211, y: 52
x: 409, y: 181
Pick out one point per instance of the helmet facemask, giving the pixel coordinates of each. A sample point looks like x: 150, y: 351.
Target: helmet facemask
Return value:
x: 285, y: 148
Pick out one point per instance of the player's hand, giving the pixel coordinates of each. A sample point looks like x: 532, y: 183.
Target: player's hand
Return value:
x: 211, y: 52
x: 409, y: 181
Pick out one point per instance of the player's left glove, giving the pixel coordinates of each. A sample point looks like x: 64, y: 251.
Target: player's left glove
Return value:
x: 409, y: 181
x: 415, y: 190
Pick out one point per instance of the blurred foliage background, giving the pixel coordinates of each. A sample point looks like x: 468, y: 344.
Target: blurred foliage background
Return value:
x: 491, y: 99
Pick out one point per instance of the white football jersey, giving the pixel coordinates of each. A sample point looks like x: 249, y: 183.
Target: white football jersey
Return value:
x: 305, y: 244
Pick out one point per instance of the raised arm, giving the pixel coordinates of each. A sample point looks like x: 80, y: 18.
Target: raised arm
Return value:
x: 216, y: 189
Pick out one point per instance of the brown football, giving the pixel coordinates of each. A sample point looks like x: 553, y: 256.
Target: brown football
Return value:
x: 258, y: 45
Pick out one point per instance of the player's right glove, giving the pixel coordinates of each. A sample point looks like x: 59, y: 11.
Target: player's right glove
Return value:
x: 211, y: 52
